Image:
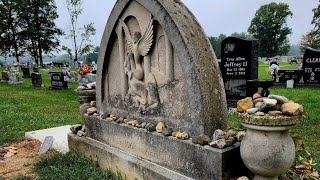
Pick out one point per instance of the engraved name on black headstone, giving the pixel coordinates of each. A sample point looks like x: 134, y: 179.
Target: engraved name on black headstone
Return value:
x: 57, y: 81
x: 311, y: 66
x: 285, y: 75
x: 239, y: 63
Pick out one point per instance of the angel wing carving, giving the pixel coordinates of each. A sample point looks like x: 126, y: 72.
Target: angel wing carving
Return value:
x: 143, y: 45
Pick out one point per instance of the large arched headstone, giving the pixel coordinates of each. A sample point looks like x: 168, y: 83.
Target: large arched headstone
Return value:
x: 156, y: 64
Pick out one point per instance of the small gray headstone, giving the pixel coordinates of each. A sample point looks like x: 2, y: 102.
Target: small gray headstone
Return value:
x: 46, y: 145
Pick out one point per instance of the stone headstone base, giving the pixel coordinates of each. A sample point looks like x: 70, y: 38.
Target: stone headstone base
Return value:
x: 112, y: 158
x: 139, y: 154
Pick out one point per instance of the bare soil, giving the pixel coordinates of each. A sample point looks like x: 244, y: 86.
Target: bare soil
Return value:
x: 22, y: 162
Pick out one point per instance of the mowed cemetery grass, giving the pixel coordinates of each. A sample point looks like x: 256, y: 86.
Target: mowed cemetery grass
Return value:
x: 24, y: 108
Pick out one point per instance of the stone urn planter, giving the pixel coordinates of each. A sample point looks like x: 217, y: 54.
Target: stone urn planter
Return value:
x: 267, y: 149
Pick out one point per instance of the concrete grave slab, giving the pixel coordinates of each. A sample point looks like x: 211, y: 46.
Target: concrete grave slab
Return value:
x: 60, y: 137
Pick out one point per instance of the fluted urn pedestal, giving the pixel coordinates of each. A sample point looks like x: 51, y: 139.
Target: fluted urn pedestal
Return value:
x: 267, y: 149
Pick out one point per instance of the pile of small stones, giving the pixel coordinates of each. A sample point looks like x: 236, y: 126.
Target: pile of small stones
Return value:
x: 220, y: 139
x: 89, y: 86
x: 273, y: 105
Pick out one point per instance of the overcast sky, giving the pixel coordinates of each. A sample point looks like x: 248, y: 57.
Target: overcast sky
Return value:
x: 215, y: 16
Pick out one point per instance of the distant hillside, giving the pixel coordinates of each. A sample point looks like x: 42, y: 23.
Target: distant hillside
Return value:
x: 25, y: 59
x: 294, y: 50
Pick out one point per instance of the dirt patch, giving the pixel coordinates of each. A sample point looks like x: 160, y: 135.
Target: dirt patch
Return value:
x: 21, y: 163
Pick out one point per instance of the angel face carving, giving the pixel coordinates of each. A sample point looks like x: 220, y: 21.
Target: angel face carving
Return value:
x: 142, y: 85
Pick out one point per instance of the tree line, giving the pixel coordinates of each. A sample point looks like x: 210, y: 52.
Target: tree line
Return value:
x: 27, y: 27
x: 269, y: 27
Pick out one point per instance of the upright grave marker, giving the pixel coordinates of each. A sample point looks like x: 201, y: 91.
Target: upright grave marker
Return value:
x: 311, y: 66
x: 58, y: 81
x: 156, y: 65
x: 36, y: 79
x: 239, y: 63
x: 26, y: 73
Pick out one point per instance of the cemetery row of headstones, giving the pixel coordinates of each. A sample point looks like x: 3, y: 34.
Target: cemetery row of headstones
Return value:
x: 239, y: 68
x: 59, y: 80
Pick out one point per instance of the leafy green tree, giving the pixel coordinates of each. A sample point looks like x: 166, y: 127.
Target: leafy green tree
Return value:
x: 11, y: 41
x: 216, y: 44
x: 269, y: 26
x: 316, y: 19
x: 243, y: 35
x: 93, y: 56
x: 40, y: 31
x: 79, y: 36
x: 309, y: 40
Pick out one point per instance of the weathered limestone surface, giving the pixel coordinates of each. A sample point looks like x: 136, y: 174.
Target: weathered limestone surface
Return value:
x: 174, y: 78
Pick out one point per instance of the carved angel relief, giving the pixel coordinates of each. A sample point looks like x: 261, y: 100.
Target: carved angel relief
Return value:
x: 141, y: 82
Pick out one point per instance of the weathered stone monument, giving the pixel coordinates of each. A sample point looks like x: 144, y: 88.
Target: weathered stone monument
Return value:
x: 14, y: 77
x: 156, y: 65
x: 311, y: 66
x: 239, y: 63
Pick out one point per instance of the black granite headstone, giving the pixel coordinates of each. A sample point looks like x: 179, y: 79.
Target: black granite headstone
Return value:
x: 311, y: 66
x: 26, y: 73
x: 35, y: 69
x: 5, y: 76
x: 36, y: 79
x: 57, y: 81
x: 285, y: 75
x: 239, y: 63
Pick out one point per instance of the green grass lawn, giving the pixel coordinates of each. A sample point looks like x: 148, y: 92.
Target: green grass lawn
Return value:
x: 24, y: 108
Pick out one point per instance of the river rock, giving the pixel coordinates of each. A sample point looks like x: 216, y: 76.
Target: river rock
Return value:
x: 90, y: 85
x: 261, y: 106
x: 292, y: 109
x: 252, y: 110
x: 176, y: 133
x: 275, y: 113
x: 201, y: 139
x: 257, y: 100
x: 243, y: 178
x: 93, y: 103
x: 91, y: 110
x: 221, y: 143
x: 280, y: 99
x: 259, y: 113
x: 151, y: 127
x: 167, y: 131
x: 241, y: 135
x: 75, y: 128
x: 256, y: 96
x: 244, y: 104
x: 219, y: 134
x: 160, y: 126
x: 270, y: 102
x: 183, y: 135
x: 231, y: 133
x: 143, y: 125
x: 120, y: 120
